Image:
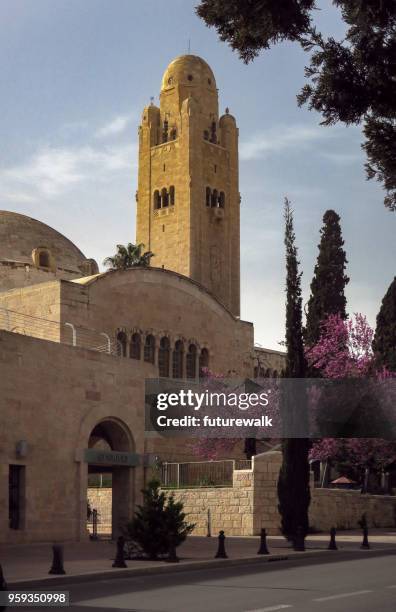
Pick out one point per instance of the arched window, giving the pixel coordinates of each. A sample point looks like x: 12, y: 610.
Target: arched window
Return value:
x: 164, y: 198
x: 122, y: 343
x: 44, y: 259
x: 191, y: 362
x: 208, y: 196
x: 157, y: 200
x: 165, y: 131
x: 267, y: 373
x: 214, y: 198
x: 149, y: 349
x: 206, y: 135
x: 222, y: 199
x: 177, y: 360
x: 213, y: 136
x: 173, y: 133
x: 203, y: 361
x: 172, y: 195
x: 275, y: 374
x: 163, y: 357
x: 134, y: 347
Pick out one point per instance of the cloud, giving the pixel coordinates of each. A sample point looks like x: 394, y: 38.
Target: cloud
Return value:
x: 281, y: 138
x: 341, y: 157
x: 18, y: 196
x: 52, y: 171
x: 73, y: 128
x: 114, y: 127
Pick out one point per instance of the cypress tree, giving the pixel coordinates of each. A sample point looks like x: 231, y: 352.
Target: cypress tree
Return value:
x: 295, y: 359
x: 293, y: 483
x: 384, y: 344
x: 329, y: 280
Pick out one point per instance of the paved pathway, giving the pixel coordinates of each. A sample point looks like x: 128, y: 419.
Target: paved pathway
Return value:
x: 32, y: 562
x: 360, y: 581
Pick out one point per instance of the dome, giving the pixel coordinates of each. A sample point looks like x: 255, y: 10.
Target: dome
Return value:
x: 189, y: 70
x: 21, y: 235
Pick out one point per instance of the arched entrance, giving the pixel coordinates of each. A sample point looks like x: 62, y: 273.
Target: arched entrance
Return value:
x: 111, y: 460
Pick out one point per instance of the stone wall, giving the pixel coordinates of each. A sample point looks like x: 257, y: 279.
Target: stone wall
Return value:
x: 65, y: 392
x: 100, y: 499
x: 252, y: 504
x: 244, y: 508
x: 343, y: 509
x: 164, y: 304
x: 19, y: 274
x: 231, y: 508
x: 265, y: 469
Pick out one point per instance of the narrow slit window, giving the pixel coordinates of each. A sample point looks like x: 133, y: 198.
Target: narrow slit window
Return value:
x: 134, y: 349
x: 191, y: 361
x: 149, y: 349
x: 163, y: 358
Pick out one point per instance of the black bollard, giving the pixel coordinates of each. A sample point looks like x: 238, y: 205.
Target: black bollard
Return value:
x: 332, y: 543
x: 365, y: 544
x: 57, y: 560
x: 209, y: 531
x: 94, y: 534
x: 3, y: 587
x: 298, y: 543
x: 172, y: 556
x: 119, y: 561
x: 221, y: 553
x: 263, y: 550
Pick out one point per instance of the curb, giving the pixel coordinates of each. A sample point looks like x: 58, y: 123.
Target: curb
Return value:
x: 166, y: 568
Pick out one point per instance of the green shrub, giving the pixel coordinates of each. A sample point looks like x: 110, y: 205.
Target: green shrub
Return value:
x: 159, y: 522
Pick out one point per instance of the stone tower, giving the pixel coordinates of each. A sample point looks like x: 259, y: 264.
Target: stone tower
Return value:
x: 188, y: 195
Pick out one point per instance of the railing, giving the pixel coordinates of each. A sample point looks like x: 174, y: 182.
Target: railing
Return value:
x: 243, y: 464
x: 55, y: 331
x: 201, y: 473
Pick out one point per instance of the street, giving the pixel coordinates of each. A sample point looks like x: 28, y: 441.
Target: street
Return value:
x: 361, y: 582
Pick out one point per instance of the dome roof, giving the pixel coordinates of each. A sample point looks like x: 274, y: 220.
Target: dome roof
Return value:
x: 20, y: 235
x: 189, y: 70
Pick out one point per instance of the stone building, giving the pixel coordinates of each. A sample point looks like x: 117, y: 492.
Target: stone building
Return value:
x: 188, y: 193
x: 76, y: 345
x: 32, y: 253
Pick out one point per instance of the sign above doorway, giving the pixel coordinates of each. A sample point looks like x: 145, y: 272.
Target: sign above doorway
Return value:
x: 114, y: 458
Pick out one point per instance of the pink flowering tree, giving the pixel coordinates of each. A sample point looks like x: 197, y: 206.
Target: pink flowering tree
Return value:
x: 344, y: 348
x: 212, y: 448
x: 344, y: 351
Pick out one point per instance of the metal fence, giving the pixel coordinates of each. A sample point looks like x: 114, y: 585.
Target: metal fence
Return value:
x: 201, y: 473
x: 55, y: 331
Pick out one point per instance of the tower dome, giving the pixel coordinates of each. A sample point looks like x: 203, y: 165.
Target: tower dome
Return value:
x: 189, y: 71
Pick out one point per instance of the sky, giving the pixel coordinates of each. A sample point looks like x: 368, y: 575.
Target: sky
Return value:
x: 74, y: 78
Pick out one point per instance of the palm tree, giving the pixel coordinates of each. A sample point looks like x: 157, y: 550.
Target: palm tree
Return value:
x: 128, y: 256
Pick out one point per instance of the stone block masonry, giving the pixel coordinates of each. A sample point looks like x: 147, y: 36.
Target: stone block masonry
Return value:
x: 242, y: 509
x: 252, y: 504
x: 343, y: 509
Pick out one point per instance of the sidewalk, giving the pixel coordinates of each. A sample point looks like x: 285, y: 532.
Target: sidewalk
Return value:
x: 88, y: 560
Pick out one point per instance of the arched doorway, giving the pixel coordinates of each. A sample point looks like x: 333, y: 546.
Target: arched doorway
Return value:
x: 111, y: 459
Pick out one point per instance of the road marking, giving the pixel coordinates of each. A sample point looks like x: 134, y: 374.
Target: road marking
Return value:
x: 271, y: 608
x: 391, y: 586
x: 340, y: 595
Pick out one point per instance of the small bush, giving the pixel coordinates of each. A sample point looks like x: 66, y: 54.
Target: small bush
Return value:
x: 159, y: 523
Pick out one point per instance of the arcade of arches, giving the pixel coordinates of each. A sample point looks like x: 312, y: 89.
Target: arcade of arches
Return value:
x: 176, y: 360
